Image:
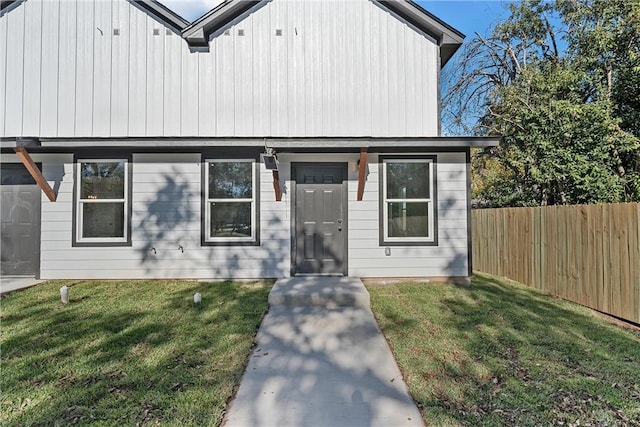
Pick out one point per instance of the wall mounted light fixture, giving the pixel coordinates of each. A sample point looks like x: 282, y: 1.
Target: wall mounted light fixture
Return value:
x: 270, y: 159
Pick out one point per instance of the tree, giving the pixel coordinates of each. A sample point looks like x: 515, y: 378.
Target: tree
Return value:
x: 563, y: 99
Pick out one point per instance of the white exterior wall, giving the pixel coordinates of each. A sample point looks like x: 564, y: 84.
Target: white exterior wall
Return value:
x: 366, y: 258
x: 166, y: 215
x: 448, y: 259
x: 340, y: 68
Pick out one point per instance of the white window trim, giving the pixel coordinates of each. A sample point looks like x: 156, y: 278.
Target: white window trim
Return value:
x: 254, y: 218
x: 429, y: 201
x: 80, y: 201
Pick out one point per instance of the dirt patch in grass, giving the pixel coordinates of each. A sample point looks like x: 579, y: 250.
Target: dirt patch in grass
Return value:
x: 126, y: 352
x: 499, y: 353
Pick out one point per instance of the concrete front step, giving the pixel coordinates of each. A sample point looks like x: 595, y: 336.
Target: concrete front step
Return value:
x: 319, y: 291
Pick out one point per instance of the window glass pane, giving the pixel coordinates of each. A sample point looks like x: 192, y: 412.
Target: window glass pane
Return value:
x: 228, y: 180
x: 408, y: 219
x: 15, y: 174
x: 408, y: 180
x: 230, y: 219
x: 102, y: 180
x: 103, y: 219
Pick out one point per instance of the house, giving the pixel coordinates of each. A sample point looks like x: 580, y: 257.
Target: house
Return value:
x: 266, y: 139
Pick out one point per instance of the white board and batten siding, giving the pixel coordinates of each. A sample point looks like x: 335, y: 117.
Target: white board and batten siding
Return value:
x: 317, y: 68
x: 85, y: 68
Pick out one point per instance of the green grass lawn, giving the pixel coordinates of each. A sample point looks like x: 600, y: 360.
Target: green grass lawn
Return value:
x: 126, y: 352
x: 498, y: 353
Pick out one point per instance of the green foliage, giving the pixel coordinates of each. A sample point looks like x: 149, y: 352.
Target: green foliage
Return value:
x: 556, y: 149
x: 565, y: 97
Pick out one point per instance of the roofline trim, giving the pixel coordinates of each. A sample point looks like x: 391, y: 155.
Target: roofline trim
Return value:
x: 449, y: 39
x: 438, y: 20
x: 8, y: 5
x: 162, y: 13
x: 197, y: 33
x: 272, y: 142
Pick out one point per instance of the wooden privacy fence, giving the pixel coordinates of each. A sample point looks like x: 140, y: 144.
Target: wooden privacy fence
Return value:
x: 589, y: 254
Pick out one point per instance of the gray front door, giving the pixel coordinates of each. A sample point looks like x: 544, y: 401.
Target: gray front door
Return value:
x: 20, y: 221
x: 320, y: 218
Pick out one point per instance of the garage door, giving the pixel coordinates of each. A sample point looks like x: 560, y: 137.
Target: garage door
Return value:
x: 20, y: 214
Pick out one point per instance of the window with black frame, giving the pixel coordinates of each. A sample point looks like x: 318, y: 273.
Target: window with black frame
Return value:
x: 408, y: 200
x: 230, y: 201
x: 102, y: 188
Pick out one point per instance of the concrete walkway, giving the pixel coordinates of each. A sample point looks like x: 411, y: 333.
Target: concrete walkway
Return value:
x: 14, y: 283
x: 321, y: 360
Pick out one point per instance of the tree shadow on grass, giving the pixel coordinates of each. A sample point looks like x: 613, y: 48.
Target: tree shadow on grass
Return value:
x: 126, y: 352
x: 506, y: 354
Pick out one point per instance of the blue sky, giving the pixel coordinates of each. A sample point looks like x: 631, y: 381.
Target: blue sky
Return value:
x: 468, y: 16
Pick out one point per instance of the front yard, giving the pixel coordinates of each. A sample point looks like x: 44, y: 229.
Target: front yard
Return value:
x: 126, y: 353
x: 140, y: 352
x: 498, y: 353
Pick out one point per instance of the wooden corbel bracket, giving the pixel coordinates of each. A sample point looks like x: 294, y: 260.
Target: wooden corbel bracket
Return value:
x: 28, y: 163
x: 362, y: 172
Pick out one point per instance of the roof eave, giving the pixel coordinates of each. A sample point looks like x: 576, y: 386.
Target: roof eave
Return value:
x: 289, y: 143
x: 8, y: 5
x: 163, y: 14
x: 449, y: 39
x: 197, y: 34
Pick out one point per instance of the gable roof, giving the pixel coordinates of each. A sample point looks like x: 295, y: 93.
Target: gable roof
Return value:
x: 156, y: 9
x: 197, y: 33
x: 7, y: 5
x: 162, y: 13
x: 449, y: 39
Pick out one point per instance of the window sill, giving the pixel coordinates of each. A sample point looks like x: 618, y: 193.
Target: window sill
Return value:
x: 230, y: 243
x: 408, y: 243
x: 99, y: 244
